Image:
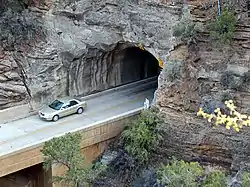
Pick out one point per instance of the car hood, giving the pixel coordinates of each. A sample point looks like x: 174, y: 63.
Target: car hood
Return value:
x: 47, y: 110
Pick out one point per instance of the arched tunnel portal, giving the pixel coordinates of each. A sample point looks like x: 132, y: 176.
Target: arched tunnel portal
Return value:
x: 104, y: 67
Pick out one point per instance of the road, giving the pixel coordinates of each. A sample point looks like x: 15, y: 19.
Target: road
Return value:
x: 26, y: 132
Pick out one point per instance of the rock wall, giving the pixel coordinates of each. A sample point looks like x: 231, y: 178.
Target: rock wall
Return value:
x: 74, y: 47
x: 52, y: 49
x: 202, y: 85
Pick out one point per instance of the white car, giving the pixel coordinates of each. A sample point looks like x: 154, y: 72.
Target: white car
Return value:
x: 61, y: 108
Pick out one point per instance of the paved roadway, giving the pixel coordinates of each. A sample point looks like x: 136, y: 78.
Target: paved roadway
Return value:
x: 26, y: 132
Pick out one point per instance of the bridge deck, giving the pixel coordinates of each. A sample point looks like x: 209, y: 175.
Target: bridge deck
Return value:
x: 26, y: 132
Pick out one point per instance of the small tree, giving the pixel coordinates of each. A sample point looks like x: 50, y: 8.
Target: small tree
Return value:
x: 142, y: 135
x: 65, y: 151
x: 222, y: 29
x: 179, y: 173
x: 189, y: 174
x: 216, y: 178
x: 186, y: 29
x: 245, y: 179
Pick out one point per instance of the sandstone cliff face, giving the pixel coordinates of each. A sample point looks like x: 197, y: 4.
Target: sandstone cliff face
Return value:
x: 201, y: 85
x: 78, y: 47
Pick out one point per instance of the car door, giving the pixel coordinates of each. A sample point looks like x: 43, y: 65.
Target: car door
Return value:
x: 65, y: 110
x: 73, y: 106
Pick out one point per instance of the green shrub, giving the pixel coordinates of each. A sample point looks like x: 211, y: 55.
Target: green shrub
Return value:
x: 246, y: 77
x: 185, y: 30
x: 172, y: 70
x: 142, y: 135
x: 179, y: 174
x: 222, y: 29
x: 226, y: 96
x: 215, y: 179
x: 232, y: 80
x: 189, y: 174
x: 245, y: 179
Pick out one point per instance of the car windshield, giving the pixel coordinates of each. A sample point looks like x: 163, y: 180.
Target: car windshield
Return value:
x: 56, y: 105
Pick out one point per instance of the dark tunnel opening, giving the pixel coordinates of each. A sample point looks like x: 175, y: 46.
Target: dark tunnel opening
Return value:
x: 138, y: 64
x: 99, y: 70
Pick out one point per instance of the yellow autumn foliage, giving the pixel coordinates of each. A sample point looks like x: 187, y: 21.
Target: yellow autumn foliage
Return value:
x: 234, y: 120
x: 160, y: 63
x: 141, y: 46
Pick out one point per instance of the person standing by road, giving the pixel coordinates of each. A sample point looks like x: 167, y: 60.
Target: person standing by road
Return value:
x: 146, y: 104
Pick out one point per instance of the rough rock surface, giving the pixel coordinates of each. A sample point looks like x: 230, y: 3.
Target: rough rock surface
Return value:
x: 201, y: 85
x: 80, y: 47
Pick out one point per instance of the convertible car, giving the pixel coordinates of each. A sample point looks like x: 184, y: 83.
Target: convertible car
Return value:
x: 62, y: 107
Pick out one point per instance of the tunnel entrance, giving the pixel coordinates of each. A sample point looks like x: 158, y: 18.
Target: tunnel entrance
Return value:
x: 105, y: 67
x: 138, y: 64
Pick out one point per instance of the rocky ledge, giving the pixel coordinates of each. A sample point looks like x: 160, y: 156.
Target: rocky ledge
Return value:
x: 210, y: 76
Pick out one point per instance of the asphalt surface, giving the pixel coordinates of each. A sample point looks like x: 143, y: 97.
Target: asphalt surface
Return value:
x: 19, y: 134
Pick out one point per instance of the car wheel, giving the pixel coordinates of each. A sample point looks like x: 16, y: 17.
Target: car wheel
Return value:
x: 79, y: 110
x: 55, y: 118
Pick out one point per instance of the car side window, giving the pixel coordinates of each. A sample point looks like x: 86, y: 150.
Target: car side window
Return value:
x: 73, y: 102
x: 66, y: 106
